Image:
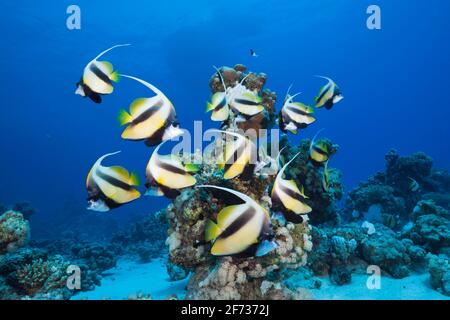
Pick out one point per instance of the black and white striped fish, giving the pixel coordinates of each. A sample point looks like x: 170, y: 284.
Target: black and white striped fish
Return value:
x: 150, y: 119
x: 288, y: 199
x: 329, y: 95
x: 98, y: 78
x: 219, y: 102
x: 325, y: 178
x: 219, y: 107
x: 319, y: 151
x: 240, y: 99
x: 110, y: 187
x: 413, y: 185
x: 166, y: 174
x: 243, y: 229
x: 295, y: 115
x: 240, y: 156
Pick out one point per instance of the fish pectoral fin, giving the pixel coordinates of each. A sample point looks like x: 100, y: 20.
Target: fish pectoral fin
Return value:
x: 154, y: 191
x: 212, y: 231
x: 265, y: 247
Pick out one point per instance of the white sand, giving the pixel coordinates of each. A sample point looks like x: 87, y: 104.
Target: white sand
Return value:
x: 414, y: 287
x: 130, y: 277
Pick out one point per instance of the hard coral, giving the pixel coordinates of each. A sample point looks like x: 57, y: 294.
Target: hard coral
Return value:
x: 14, y: 231
x: 439, y: 269
x: 386, y: 251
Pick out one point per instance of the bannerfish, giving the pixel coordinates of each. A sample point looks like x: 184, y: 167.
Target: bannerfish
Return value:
x: 325, y: 178
x: 253, y: 53
x: 245, y: 102
x: 150, y: 119
x: 166, y: 174
x: 98, y: 78
x: 243, y: 229
x: 242, y: 100
x: 389, y: 220
x: 239, y: 158
x: 295, y: 115
x: 219, y: 103
x: 110, y: 187
x: 287, y: 198
x: 413, y: 185
x: 329, y: 95
x: 319, y: 152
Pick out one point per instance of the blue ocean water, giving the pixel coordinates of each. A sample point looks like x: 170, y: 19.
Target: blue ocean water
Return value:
x: 394, y: 81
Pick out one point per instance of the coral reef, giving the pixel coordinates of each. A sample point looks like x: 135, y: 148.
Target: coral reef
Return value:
x: 309, y: 176
x: 439, y: 269
x: 237, y: 277
x: 14, y: 231
x: 430, y: 231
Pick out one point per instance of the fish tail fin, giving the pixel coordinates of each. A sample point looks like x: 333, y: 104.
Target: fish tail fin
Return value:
x: 134, y: 179
x: 209, y: 107
x: 124, y: 117
x: 115, y: 76
x: 212, y: 231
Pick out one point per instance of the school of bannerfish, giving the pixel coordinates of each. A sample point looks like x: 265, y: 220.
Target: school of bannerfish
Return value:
x: 239, y: 229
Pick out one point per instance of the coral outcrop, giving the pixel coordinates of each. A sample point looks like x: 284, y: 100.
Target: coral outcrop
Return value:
x: 439, y: 273
x: 237, y: 277
x: 14, y: 231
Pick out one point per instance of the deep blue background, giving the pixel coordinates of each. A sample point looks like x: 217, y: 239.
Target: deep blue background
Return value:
x: 395, y: 81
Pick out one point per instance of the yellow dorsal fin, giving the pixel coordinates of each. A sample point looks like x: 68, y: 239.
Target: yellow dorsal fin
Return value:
x: 121, y: 172
x: 251, y: 96
x: 107, y: 65
x: 137, y: 106
x: 292, y: 185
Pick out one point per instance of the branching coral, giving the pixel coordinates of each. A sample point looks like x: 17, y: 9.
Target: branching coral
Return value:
x: 42, y: 276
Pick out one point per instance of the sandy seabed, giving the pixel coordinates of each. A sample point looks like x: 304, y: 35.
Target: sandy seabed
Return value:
x: 130, y: 278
